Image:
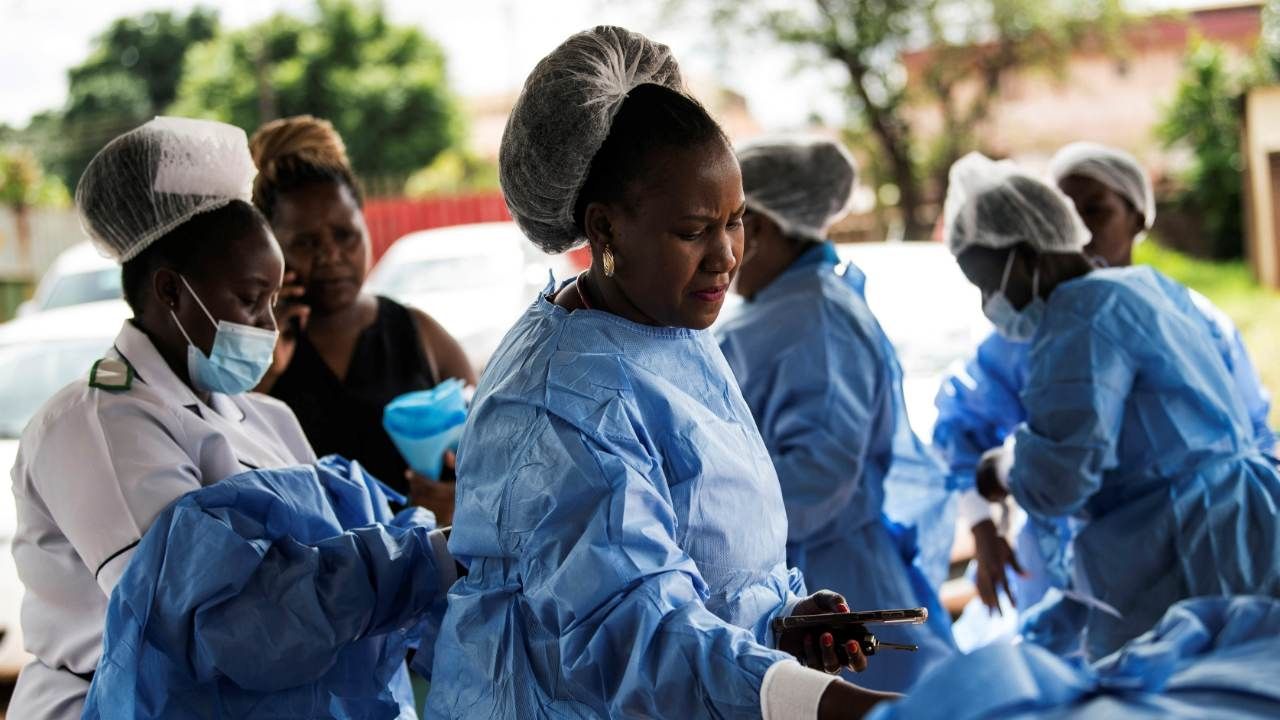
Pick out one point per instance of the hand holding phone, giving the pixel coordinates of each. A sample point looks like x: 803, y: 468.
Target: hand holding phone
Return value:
x: 291, y: 315
x: 904, y: 616
x: 845, y: 630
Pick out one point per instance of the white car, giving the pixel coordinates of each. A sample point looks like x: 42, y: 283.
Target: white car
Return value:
x: 39, y: 355
x: 78, y: 275
x: 930, y: 312
x: 475, y: 280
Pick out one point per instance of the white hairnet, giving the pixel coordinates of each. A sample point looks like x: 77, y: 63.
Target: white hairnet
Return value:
x: 1114, y: 168
x: 996, y: 205
x: 561, y: 120
x: 803, y: 184
x: 152, y: 179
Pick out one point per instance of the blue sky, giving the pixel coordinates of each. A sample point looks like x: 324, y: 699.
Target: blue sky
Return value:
x: 492, y: 44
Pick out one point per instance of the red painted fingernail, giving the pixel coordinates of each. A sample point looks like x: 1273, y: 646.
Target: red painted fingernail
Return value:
x: 827, y: 640
x: 842, y: 608
x: 853, y: 647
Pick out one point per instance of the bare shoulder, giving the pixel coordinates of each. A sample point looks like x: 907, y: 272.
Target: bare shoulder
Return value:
x: 443, y: 350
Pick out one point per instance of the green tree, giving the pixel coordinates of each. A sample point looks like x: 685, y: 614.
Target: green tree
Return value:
x: 23, y: 186
x: 1204, y: 118
x: 973, y: 46
x: 1269, y: 47
x: 453, y: 171
x: 382, y: 86
x: 131, y: 74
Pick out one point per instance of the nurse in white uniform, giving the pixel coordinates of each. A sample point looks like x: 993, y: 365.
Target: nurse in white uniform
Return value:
x: 167, y: 410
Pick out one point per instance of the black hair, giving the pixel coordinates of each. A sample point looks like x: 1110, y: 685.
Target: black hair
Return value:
x: 652, y: 117
x: 185, y: 247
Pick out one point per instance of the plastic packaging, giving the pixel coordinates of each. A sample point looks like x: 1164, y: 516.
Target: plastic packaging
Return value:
x: 426, y: 423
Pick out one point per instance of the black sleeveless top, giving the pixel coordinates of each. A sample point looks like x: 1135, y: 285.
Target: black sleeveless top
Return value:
x: 345, y: 417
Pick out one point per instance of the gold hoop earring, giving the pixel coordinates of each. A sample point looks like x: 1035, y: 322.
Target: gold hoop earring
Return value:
x: 607, y: 261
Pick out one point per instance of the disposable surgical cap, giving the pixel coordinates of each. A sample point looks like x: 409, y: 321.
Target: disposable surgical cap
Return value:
x: 156, y: 177
x: 804, y: 185
x: 1114, y: 168
x: 561, y: 120
x: 995, y: 205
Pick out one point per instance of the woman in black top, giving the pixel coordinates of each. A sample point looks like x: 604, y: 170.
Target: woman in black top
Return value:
x: 343, y: 353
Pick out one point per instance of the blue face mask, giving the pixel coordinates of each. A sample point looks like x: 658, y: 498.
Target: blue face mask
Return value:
x: 1016, y: 325
x: 239, y: 358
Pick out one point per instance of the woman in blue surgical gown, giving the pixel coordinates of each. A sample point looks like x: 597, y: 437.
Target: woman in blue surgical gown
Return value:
x: 617, y: 511
x: 823, y: 383
x: 1133, y: 426
x: 979, y: 405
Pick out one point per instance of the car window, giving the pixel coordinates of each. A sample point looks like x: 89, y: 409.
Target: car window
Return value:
x: 84, y: 287
x: 31, y: 373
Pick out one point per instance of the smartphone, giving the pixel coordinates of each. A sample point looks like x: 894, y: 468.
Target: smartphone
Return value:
x: 295, y: 323
x: 904, y: 616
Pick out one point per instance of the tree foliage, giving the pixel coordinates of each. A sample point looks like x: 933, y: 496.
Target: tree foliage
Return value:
x: 24, y: 183
x: 23, y: 186
x: 453, y: 171
x: 131, y: 74
x: 382, y: 86
x: 1205, y: 118
x: 973, y: 45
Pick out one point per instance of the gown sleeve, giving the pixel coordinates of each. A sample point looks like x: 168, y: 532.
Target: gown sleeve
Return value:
x: 1075, y: 409
x: 253, y: 583
x: 979, y: 404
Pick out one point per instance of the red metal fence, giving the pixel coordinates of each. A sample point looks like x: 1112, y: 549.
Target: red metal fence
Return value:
x: 389, y: 219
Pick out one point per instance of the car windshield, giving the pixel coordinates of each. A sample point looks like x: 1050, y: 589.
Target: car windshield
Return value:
x: 438, y: 275
x: 31, y: 373
x: 85, y: 287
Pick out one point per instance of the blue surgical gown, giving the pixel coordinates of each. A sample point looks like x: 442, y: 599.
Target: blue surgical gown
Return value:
x: 824, y: 385
x: 980, y: 405
x: 1206, y: 658
x: 622, y: 527
x: 272, y: 594
x: 1135, y: 428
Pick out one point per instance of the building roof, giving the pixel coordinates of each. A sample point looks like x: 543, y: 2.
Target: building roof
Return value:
x: 1237, y: 24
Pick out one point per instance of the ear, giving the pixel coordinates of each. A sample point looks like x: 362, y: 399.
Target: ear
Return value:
x: 1139, y: 222
x: 166, y: 288
x: 599, y: 226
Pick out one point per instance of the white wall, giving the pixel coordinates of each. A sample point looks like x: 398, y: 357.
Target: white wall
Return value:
x: 1261, y: 137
